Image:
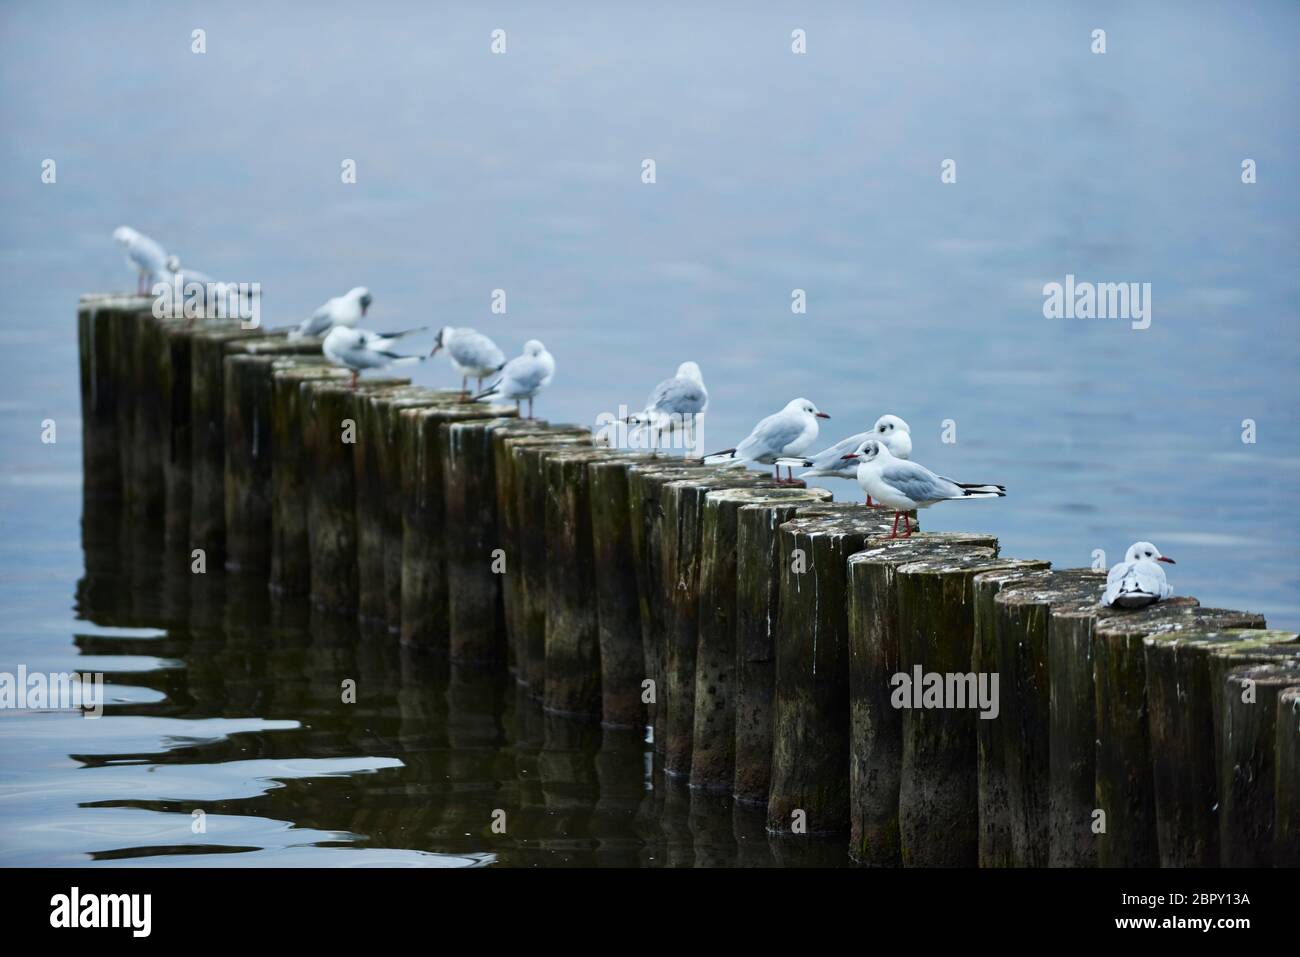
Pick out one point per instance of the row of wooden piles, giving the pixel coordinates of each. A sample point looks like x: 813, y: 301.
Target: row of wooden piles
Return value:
x: 755, y: 629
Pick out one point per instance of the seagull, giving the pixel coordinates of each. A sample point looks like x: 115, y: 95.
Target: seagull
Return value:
x: 471, y: 352
x: 523, y: 376
x: 1138, y: 580
x: 889, y: 429
x: 359, y: 349
x: 143, y: 255
x: 785, y: 433
x: 345, y: 310
x: 673, y: 402
x: 902, y: 485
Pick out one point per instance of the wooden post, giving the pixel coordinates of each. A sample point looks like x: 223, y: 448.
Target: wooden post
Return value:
x: 758, y: 593
x: 529, y: 570
x: 504, y: 438
x: 991, y: 748
x: 1286, y: 792
x: 177, y: 429
x: 249, y: 443
x: 375, y: 459
x: 1184, y: 746
x: 424, y: 547
x: 645, y: 508
x: 97, y: 316
x: 618, y: 612
x: 147, y: 489
x: 329, y: 410
x: 292, y: 475
x: 122, y: 334
x: 1247, y: 775
x: 1020, y: 653
x: 208, y: 449
x: 683, y: 505
x: 875, y: 725
x: 938, y: 786
x: 810, y: 750
x: 1125, y: 790
x: 571, y: 680
x: 713, y: 750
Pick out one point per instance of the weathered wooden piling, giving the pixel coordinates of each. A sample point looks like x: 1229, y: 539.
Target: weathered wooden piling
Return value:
x: 713, y: 751
x: 329, y: 434
x: 758, y: 595
x: 618, y: 612
x: 100, y: 394
x: 424, y: 622
x: 147, y: 494
x: 994, y: 799
x: 1184, y: 746
x: 810, y: 747
x: 208, y: 436
x: 291, y: 476
x: 938, y: 785
x: 1125, y: 791
x: 1286, y: 789
x: 875, y: 725
x: 176, y: 429
x: 1247, y: 776
x: 122, y: 335
x: 683, y: 504
x: 1018, y: 649
x: 645, y: 483
x: 504, y: 439
x: 375, y: 464
x: 249, y: 443
x: 528, y: 571
x: 571, y: 682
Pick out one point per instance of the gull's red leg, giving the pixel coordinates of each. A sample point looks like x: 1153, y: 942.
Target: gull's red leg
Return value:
x: 907, y: 524
x: 894, y: 533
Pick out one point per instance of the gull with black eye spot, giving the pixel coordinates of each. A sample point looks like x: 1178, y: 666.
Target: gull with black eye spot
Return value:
x: 1138, y: 580
x: 903, y: 486
x: 471, y: 352
x: 345, y: 310
x: 783, y: 434
x: 831, y: 462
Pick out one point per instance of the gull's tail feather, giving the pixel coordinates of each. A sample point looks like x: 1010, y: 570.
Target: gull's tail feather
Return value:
x: 490, y: 390
x: 725, y: 457
x: 982, y: 491
x: 980, y: 487
x: 400, y: 359
x: 402, y: 332
x: 794, y: 463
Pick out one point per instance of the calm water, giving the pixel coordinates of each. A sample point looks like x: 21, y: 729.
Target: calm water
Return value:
x: 522, y: 172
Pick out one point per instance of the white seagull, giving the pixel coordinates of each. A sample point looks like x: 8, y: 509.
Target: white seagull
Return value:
x: 471, y: 352
x: 359, y: 349
x: 785, y: 433
x: 1138, y: 580
x: 523, y: 376
x: 674, y: 402
x: 345, y: 310
x: 902, y: 485
x: 143, y: 255
x: 889, y: 429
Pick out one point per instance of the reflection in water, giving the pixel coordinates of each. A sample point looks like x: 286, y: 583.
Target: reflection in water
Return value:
x: 225, y: 701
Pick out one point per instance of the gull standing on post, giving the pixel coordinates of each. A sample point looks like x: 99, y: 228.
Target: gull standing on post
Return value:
x: 903, y: 486
x: 359, y: 349
x: 345, y: 310
x: 523, y: 376
x: 143, y: 255
x: 889, y: 429
x: 471, y: 352
x: 1137, y: 580
x: 785, y: 433
x: 674, y: 401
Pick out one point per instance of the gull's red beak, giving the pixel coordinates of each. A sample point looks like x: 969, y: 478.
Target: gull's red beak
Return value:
x: 1165, y: 558
x: 435, y: 349
x: 851, y: 457
x: 821, y: 415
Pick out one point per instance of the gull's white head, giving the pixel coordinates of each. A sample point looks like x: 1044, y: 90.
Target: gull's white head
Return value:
x: 172, y: 263
x: 895, y: 433
x: 803, y: 405
x: 887, y: 425
x: 868, y: 451
x: 124, y: 235
x: 1145, y: 552
x: 362, y: 295
x: 534, y: 347
x: 442, y: 339
x: 691, y: 371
